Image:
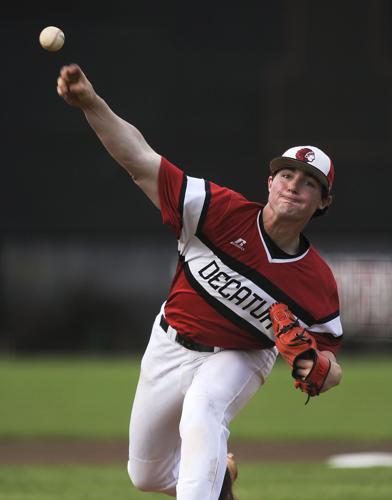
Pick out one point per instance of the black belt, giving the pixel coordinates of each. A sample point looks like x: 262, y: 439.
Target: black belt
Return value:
x: 186, y: 341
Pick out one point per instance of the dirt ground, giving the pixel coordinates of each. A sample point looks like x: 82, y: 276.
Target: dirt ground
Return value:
x: 107, y: 452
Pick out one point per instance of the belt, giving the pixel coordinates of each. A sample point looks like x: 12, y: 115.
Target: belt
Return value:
x: 184, y: 340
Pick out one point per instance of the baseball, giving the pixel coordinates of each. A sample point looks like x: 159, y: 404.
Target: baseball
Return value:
x: 51, y: 38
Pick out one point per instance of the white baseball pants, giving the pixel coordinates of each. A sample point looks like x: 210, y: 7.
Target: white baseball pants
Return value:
x: 183, y: 405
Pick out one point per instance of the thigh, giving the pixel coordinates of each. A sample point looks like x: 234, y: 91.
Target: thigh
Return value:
x: 157, y: 405
x: 222, y: 384
x: 227, y: 380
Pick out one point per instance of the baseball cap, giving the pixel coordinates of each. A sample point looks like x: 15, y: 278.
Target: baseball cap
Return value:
x: 309, y: 159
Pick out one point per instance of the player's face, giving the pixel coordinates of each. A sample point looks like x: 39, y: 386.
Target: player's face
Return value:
x: 295, y: 194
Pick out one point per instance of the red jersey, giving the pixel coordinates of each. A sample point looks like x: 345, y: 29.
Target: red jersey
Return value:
x: 229, y: 271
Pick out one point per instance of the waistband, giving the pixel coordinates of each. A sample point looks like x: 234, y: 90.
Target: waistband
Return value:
x: 184, y: 340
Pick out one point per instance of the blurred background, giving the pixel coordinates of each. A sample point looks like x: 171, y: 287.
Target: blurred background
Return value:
x: 218, y: 88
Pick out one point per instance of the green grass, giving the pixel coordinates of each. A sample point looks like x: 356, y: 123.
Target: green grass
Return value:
x: 256, y: 482
x: 72, y: 398
x: 311, y: 482
x: 91, y: 398
x: 359, y: 408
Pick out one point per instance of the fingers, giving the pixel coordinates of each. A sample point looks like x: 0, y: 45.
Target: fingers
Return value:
x: 71, y: 73
x: 74, y: 87
x: 301, y: 374
x: 68, y: 74
x: 303, y: 367
x: 304, y: 363
x: 62, y: 88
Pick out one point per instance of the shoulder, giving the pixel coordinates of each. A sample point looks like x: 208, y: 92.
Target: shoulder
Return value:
x: 320, y: 267
x: 237, y: 200
x: 323, y: 297
x: 228, y: 210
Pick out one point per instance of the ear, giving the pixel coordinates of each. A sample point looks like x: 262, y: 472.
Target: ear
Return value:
x: 325, y: 202
x: 270, y: 179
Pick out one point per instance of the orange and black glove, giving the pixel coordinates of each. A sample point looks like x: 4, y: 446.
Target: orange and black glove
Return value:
x: 294, y: 343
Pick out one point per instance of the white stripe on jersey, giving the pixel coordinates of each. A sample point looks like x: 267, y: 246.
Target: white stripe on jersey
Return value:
x: 334, y: 327
x: 237, y: 293
x: 221, y: 283
x: 194, y: 198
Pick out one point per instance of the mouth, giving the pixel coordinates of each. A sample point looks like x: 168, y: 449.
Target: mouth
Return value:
x: 289, y: 199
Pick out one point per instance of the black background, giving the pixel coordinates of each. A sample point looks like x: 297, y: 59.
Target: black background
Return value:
x: 219, y: 88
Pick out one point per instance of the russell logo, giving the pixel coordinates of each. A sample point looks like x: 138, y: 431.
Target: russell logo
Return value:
x: 305, y: 154
x: 239, y: 243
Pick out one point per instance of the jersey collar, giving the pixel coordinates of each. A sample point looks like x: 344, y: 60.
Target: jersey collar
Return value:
x: 276, y: 254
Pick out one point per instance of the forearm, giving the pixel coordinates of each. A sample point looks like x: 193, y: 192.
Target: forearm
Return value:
x: 335, y: 373
x: 123, y: 141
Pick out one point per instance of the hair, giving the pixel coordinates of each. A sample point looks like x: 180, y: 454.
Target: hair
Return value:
x: 322, y: 211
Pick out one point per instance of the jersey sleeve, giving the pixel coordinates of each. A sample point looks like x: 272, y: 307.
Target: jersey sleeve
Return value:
x: 187, y: 202
x: 328, y: 331
x: 171, y: 189
x: 321, y: 302
x: 327, y: 342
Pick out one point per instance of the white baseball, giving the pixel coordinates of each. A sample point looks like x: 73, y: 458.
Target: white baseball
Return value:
x: 51, y: 38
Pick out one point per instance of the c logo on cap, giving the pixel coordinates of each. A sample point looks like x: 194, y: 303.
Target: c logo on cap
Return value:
x: 305, y: 154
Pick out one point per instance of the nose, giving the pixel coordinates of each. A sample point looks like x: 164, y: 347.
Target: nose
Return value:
x: 293, y: 185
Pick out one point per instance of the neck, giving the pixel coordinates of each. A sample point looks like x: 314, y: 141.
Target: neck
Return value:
x: 284, y: 232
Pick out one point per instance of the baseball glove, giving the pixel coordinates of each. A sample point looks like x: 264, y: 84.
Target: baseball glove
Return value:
x: 294, y: 343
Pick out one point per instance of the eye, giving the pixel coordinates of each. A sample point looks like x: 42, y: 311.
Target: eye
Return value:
x: 311, y: 183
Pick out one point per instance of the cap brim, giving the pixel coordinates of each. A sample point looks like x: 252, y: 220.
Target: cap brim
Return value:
x: 285, y: 161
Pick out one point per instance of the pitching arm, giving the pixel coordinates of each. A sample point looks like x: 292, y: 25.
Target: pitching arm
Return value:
x: 123, y: 141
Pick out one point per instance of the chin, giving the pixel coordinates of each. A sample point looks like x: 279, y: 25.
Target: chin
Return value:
x: 290, y: 211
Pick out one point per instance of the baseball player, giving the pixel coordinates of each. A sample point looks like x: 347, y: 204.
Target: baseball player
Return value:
x: 248, y: 285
